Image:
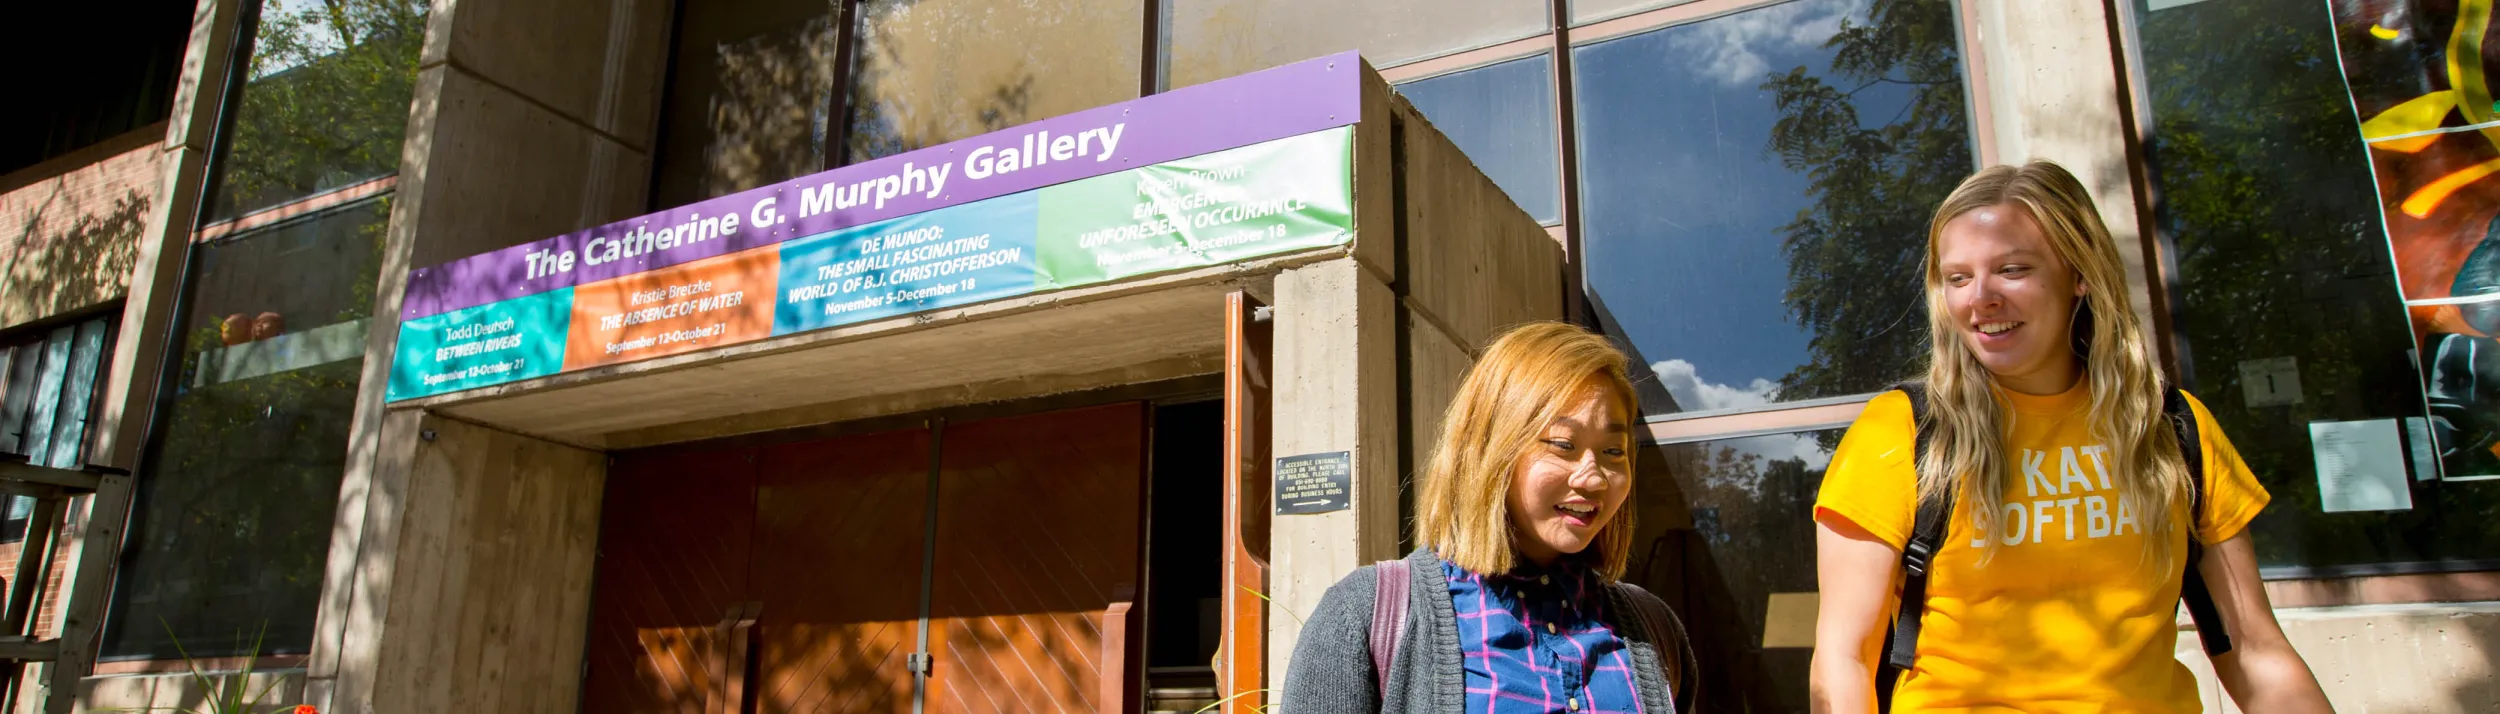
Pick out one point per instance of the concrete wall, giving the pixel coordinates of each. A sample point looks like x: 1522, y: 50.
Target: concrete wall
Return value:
x: 2052, y: 88
x: 183, y: 692
x: 490, y: 603
x: 531, y: 118
x: 2437, y: 657
x: 1369, y: 349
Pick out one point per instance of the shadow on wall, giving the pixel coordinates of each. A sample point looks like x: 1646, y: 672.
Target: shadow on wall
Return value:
x: 2479, y: 693
x: 68, y: 253
x: 2409, y: 658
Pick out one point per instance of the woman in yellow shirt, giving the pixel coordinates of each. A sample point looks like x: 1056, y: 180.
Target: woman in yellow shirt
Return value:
x: 2056, y: 585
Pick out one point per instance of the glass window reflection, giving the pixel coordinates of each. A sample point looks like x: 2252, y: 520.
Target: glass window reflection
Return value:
x: 326, y: 106
x: 233, y: 516
x: 2266, y: 190
x: 933, y: 71
x: 748, y: 98
x: 1756, y: 190
x: 1502, y: 116
x: 1727, y: 529
x: 1215, y: 39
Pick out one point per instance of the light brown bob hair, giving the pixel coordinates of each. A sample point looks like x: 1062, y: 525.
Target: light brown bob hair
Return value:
x: 1515, y: 389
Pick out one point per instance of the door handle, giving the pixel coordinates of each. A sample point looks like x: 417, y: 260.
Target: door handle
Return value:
x: 735, y: 635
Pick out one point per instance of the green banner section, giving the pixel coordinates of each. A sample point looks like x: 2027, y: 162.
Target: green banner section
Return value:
x: 1279, y: 196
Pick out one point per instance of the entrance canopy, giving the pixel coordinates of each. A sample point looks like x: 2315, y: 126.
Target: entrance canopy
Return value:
x: 1085, y: 250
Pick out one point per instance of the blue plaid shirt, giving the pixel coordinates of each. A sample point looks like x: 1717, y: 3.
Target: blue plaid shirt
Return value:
x: 1536, y: 642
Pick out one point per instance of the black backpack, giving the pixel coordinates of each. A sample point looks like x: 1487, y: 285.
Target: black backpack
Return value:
x: 1936, y: 516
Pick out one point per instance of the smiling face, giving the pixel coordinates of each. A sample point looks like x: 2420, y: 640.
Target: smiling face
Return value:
x: 1573, y: 480
x: 2011, y: 298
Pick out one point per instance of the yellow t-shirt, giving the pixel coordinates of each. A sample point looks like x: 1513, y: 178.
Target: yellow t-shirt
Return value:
x: 2069, y: 617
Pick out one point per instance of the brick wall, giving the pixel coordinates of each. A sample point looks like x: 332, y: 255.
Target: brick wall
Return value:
x: 69, y: 227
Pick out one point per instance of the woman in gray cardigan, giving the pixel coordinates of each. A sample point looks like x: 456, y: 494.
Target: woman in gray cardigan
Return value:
x: 1515, y: 604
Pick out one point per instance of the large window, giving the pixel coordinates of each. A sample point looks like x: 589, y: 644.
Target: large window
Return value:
x: 2283, y: 276
x: 1742, y: 551
x: 763, y: 91
x: 326, y: 104
x: 933, y: 71
x: 239, y: 484
x: 1756, y: 189
x: 47, y: 394
x: 1502, y: 116
x: 750, y: 96
x: 1214, y: 39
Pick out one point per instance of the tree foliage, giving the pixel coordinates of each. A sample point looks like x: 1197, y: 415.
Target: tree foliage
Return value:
x: 1854, y: 254
x: 327, y: 103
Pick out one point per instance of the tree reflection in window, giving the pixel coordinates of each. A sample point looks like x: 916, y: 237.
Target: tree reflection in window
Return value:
x: 326, y: 105
x: 2265, y: 190
x: 1756, y: 190
x: 927, y: 72
x: 1725, y: 526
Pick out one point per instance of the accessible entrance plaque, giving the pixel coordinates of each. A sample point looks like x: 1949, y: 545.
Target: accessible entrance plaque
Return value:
x: 1256, y: 165
x: 1314, y: 483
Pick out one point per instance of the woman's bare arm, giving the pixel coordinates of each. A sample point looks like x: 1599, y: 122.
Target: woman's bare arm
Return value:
x: 2262, y: 672
x: 1854, y: 570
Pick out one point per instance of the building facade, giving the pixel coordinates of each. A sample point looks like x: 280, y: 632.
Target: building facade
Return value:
x: 214, y: 239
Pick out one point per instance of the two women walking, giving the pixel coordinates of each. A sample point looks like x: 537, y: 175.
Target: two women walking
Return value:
x: 2054, y: 497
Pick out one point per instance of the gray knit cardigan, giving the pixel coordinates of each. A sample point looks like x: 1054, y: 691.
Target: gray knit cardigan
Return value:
x: 1332, y: 666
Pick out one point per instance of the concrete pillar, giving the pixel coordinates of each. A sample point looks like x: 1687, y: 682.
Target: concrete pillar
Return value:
x: 531, y: 118
x: 489, y: 609
x: 155, y: 276
x: 2052, y: 92
x: 1336, y: 390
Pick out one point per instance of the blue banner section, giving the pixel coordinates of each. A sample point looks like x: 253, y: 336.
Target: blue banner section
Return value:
x: 950, y: 256
x: 478, y: 346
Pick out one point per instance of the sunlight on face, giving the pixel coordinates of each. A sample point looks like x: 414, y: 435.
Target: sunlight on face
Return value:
x: 2011, y: 298
x: 1569, y: 484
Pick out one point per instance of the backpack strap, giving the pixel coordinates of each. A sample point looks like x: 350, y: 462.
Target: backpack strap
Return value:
x: 1665, y: 632
x: 1392, y: 580
x: 2192, y: 589
x: 1927, y: 531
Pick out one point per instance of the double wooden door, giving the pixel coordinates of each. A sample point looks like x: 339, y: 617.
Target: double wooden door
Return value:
x: 790, y: 578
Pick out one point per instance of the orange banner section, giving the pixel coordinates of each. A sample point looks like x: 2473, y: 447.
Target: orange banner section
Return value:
x: 700, y: 305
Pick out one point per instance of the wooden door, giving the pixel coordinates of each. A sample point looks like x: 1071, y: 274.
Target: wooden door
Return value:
x: 1241, y: 661
x: 673, y: 561
x: 840, y: 529
x: 1037, y: 542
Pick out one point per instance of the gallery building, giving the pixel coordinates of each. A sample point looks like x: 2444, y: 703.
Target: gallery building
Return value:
x: 963, y: 355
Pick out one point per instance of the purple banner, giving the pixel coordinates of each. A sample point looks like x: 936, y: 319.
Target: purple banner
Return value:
x: 1286, y: 101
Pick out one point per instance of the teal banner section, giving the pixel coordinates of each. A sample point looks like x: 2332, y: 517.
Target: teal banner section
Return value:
x: 479, y: 346
x: 950, y: 256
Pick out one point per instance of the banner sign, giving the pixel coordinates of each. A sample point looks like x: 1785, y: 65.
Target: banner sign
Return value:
x: 1265, y: 198
x: 2421, y: 82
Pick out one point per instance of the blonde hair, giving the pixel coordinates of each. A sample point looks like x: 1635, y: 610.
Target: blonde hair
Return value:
x: 1966, y: 455
x: 1523, y: 380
